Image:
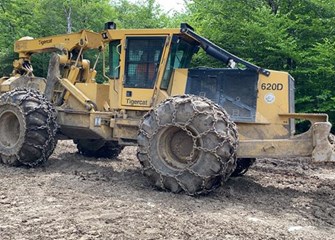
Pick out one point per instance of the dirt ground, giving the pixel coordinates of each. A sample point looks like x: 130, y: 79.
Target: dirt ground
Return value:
x: 73, y: 197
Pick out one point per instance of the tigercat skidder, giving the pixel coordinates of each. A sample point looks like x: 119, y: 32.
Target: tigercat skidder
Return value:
x: 194, y: 127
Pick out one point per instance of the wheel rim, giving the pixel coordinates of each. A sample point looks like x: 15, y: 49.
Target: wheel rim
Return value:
x: 176, y: 147
x: 9, y: 128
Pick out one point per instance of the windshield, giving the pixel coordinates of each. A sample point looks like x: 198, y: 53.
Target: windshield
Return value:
x: 180, y: 56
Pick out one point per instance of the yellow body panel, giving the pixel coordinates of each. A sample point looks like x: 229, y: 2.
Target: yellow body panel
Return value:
x: 261, y: 131
x: 75, y: 92
x: 139, y: 97
x: 114, y: 94
x: 97, y: 93
x: 178, y: 82
x: 125, y: 128
x: 1, y: 81
x: 83, y: 124
x: 121, y: 33
x: 161, y: 96
x: 273, y: 98
x: 85, y: 39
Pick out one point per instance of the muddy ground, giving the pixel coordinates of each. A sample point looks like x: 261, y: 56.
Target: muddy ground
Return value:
x: 73, y: 197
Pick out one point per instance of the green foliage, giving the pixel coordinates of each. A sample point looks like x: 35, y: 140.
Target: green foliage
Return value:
x: 45, y: 18
x: 142, y: 14
x: 248, y: 29
x: 295, y: 36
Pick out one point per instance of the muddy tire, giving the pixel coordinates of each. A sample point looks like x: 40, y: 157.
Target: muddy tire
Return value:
x: 242, y: 166
x: 187, y: 143
x: 98, y: 148
x: 27, y: 128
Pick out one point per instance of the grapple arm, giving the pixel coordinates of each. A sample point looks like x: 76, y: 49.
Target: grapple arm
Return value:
x: 218, y: 52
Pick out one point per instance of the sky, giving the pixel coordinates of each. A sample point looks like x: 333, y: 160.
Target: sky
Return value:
x: 167, y: 5
x: 177, y: 5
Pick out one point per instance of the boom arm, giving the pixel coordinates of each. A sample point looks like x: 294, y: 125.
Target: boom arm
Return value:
x: 79, y: 41
x: 75, y: 67
x: 68, y: 42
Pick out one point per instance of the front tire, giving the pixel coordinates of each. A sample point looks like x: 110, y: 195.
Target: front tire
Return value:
x: 187, y: 143
x: 27, y: 128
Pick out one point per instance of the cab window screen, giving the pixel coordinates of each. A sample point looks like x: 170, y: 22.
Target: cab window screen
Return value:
x: 142, y: 61
x: 114, y: 59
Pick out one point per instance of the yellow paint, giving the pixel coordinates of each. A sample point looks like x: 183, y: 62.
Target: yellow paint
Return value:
x: 120, y: 109
x: 139, y: 97
x: 122, y: 33
x: 113, y: 94
x: 76, y: 93
x: 178, y: 82
x: 81, y: 123
x: 312, y: 117
x: 73, y: 75
x: 161, y: 96
x: 84, y: 38
x: 97, y: 93
x: 3, y: 86
x: 275, y: 148
x: 273, y: 98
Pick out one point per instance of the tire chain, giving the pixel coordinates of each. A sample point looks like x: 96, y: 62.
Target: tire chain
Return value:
x: 214, y: 108
x: 48, y: 147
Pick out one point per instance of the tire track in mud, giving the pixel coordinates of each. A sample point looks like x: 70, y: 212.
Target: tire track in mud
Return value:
x: 313, y: 196
x: 75, y: 197
x: 313, y: 185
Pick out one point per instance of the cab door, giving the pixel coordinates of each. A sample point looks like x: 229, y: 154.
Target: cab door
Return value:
x: 142, y: 64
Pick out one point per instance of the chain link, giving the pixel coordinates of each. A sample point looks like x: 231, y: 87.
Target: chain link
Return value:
x: 211, y: 109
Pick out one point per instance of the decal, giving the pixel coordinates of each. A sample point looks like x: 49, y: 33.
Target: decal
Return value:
x: 272, y: 86
x: 42, y: 42
x: 137, y: 102
x: 270, y: 98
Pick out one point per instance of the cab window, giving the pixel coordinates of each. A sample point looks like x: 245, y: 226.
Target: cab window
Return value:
x: 143, y: 56
x: 180, y: 56
x: 113, y: 70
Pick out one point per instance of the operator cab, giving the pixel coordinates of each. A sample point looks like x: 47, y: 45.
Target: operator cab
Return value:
x: 150, y: 65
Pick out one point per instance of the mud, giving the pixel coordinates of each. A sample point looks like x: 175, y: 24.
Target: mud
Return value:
x: 75, y: 197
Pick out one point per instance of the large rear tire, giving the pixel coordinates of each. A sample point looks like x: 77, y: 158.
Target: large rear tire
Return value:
x: 187, y: 143
x: 98, y: 148
x: 27, y: 128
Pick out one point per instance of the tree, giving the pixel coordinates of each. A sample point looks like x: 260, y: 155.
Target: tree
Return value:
x: 290, y: 35
x: 46, y: 18
x: 294, y: 36
x: 142, y: 14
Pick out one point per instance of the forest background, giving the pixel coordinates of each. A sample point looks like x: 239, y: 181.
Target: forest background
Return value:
x: 290, y: 35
